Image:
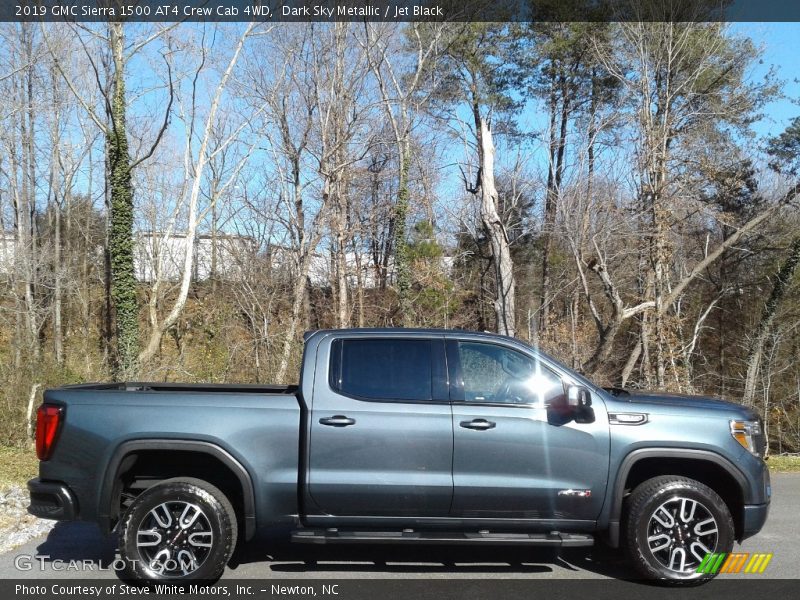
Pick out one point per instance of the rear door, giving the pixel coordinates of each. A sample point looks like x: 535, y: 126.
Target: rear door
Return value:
x: 515, y: 455
x: 381, y: 436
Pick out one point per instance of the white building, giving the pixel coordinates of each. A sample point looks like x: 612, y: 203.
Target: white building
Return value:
x: 223, y: 254
x: 227, y: 255
x: 322, y: 270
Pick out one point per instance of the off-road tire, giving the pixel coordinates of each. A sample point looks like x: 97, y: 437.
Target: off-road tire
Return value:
x: 640, y: 521
x: 218, y: 523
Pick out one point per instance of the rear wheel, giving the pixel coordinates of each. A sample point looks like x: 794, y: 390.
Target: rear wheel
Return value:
x: 671, y: 524
x: 179, y: 529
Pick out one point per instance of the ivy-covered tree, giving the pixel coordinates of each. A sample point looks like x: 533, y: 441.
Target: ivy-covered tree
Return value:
x: 120, y: 235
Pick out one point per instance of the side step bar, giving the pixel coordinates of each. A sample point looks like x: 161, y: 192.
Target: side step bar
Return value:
x: 410, y: 536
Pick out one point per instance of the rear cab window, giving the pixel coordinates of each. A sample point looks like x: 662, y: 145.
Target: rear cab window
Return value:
x: 383, y: 369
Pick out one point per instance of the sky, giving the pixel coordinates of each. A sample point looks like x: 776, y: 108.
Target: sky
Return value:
x: 780, y: 43
x: 781, y: 46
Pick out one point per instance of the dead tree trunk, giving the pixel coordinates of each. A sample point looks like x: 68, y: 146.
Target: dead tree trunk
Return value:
x: 340, y: 255
x: 504, y: 301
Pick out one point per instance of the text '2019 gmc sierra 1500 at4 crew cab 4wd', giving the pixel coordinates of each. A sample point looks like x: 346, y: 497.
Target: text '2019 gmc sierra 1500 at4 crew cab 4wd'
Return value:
x: 406, y: 436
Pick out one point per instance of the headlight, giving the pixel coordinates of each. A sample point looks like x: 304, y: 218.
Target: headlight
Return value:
x: 745, y: 433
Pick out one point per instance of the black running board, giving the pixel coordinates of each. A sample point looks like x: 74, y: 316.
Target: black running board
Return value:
x: 339, y: 536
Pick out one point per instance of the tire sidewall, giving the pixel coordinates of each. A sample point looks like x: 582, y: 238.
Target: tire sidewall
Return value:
x: 218, y: 518
x: 640, y: 523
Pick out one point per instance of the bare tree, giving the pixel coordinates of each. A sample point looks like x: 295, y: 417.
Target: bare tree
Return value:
x: 287, y: 92
x: 113, y: 123
x: 781, y: 282
x: 22, y: 124
x: 196, y: 161
x: 340, y: 137
x: 404, y: 97
x: 664, y: 68
x: 470, y: 77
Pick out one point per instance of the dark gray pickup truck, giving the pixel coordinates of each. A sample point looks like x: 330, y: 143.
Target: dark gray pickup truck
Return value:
x: 403, y: 436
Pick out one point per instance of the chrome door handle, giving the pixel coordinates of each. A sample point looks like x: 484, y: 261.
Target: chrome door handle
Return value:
x: 478, y: 424
x: 337, y: 421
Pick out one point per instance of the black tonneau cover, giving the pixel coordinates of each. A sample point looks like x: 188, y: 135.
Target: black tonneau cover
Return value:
x: 214, y: 388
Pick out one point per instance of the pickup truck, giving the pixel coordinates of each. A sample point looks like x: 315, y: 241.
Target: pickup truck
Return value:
x: 403, y: 436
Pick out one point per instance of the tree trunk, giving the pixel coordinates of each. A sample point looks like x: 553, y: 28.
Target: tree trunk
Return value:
x: 504, y: 301
x: 661, y: 260
x: 108, y: 337
x: 402, y: 268
x: 558, y: 142
x: 194, y: 215
x: 340, y: 218
x: 27, y: 204
x: 214, y: 242
x: 58, y: 333
x: 298, y: 302
x: 630, y: 364
x: 120, y: 242
x: 359, y: 283
x: 21, y: 243
x: 58, y: 271
x: 590, y: 154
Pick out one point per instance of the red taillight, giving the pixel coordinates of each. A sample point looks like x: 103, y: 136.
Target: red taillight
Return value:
x: 48, y: 422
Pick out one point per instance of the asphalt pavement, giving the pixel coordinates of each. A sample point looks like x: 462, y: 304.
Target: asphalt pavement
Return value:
x: 79, y: 551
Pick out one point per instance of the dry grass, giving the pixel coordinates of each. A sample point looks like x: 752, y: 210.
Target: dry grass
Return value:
x: 784, y: 464
x: 17, y: 465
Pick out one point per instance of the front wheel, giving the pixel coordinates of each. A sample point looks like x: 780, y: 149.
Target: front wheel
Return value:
x: 180, y: 529
x: 671, y: 524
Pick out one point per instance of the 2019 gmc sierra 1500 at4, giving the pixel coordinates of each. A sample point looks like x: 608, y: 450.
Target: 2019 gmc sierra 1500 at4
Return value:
x: 406, y: 436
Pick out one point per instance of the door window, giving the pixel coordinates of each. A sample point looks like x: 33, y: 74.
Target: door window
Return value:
x: 382, y: 369
x: 495, y: 374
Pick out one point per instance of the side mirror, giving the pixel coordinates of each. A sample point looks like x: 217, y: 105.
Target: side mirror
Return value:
x: 576, y: 406
x: 578, y: 397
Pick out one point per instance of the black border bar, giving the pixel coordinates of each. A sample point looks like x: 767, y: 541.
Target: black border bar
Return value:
x: 742, y: 588
x: 305, y: 11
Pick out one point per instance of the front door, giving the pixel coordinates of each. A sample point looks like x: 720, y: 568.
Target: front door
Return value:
x: 515, y: 455
x: 381, y: 437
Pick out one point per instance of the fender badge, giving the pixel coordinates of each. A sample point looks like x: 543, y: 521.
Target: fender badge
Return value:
x: 626, y: 418
x: 575, y: 493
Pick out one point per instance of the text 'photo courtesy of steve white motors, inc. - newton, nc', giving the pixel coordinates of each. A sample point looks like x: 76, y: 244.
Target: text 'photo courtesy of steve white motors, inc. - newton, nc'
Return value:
x: 104, y: 590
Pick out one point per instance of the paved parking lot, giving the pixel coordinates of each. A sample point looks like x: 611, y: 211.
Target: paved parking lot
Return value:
x: 267, y: 558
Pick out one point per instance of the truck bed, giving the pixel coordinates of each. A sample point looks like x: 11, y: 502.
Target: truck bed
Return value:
x: 257, y: 426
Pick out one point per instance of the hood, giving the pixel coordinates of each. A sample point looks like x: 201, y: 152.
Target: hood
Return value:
x: 678, y: 400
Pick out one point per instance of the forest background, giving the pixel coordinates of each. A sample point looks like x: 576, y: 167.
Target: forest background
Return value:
x: 183, y: 201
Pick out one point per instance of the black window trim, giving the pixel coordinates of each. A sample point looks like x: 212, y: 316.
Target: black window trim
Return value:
x: 439, y: 385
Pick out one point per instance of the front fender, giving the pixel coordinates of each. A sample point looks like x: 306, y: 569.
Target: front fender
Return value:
x: 615, y: 494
